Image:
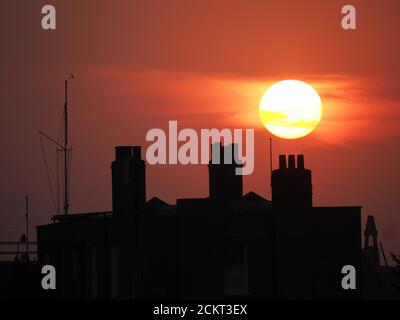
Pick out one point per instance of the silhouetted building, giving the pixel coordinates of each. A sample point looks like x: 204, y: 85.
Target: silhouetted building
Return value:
x: 19, y: 270
x: 312, y: 243
x: 371, y: 239
x: 379, y: 281
x: 225, y: 245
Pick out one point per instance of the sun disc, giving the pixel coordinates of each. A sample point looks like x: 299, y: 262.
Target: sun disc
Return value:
x: 290, y: 109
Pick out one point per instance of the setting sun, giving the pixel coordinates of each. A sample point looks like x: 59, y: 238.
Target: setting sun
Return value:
x: 290, y: 109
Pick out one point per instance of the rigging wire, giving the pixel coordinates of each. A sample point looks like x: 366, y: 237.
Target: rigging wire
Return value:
x: 47, y: 172
x: 66, y: 157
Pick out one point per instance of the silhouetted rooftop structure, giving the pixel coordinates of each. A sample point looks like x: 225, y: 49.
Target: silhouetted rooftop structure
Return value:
x: 225, y: 245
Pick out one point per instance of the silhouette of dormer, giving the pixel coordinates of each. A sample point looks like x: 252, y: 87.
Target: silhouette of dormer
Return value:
x: 291, y: 184
x: 224, y: 183
x: 155, y: 204
x: 254, y: 197
x: 128, y: 180
x: 371, y: 239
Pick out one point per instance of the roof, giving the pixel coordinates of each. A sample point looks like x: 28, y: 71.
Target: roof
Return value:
x: 88, y: 215
x: 155, y: 203
x: 252, y: 196
x: 157, y: 206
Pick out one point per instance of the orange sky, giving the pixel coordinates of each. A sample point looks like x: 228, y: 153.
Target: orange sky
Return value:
x: 206, y: 64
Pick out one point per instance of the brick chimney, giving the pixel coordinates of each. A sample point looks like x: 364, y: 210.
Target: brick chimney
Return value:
x: 291, y: 184
x: 128, y: 180
x: 224, y: 184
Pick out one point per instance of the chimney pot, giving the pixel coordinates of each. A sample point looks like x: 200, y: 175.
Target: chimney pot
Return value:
x: 123, y: 152
x: 282, y: 161
x: 224, y: 184
x: 292, y: 161
x: 300, y: 161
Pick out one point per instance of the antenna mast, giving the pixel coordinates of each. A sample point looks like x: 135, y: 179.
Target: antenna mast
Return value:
x: 66, y: 147
x: 27, y: 227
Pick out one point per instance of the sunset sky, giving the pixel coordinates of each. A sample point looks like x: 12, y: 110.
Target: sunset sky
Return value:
x: 139, y: 64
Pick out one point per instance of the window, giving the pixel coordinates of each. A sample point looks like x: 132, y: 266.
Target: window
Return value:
x: 236, y: 270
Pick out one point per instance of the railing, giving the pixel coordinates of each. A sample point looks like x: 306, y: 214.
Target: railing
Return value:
x: 21, y: 250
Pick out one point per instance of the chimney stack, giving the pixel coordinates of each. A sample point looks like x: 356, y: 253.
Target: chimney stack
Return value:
x: 224, y: 183
x: 123, y: 152
x: 291, y: 186
x: 136, y: 152
x: 128, y: 180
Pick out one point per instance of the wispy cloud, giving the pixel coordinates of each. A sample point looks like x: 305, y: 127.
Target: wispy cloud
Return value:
x: 354, y: 107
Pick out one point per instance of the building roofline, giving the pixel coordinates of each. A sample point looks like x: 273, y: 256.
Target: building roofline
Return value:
x: 328, y: 207
x: 61, y: 217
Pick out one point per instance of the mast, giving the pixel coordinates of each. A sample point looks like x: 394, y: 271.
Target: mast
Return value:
x: 66, y: 175
x: 62, y: 147
x: 27, y: 227
x: 65, y: 148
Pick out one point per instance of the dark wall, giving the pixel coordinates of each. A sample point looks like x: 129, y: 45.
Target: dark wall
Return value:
x: 294, y: 254
x: 337, y: 242
x: 69, y: 246
x: 157, y: 256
